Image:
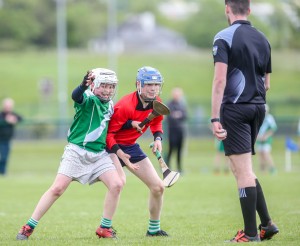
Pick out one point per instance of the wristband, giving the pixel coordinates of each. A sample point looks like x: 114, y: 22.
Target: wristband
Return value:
x: 215, y: 120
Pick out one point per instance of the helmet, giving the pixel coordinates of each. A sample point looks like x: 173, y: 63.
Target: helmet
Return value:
x: 104, y: 76
x: 148, y: 75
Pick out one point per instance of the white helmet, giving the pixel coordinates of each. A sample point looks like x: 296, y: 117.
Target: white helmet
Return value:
x: 104, y: 76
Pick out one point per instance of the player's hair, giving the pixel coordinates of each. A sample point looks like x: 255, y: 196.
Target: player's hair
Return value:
x: 238, y: 7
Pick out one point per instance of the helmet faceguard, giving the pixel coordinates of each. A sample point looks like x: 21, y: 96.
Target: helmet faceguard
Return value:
x: 148, y: 75
x: 104, y: 76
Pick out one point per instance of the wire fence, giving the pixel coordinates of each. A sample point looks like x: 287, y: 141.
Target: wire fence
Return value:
x: 197, y: 128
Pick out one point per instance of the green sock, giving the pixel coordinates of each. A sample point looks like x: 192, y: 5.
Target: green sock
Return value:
x: 106, y: 223
x: 154, y: 226
x: 32, y: 223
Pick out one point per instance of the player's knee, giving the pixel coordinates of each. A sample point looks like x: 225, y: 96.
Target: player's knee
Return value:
x: 57, y: 191
x: 158, y: 189
x: 117, y: 186
x: 123, y: 181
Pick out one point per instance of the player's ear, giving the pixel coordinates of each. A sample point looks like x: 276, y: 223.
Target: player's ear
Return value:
x: 226, y: 9
x: 137, y: 84
x: 248, y: 11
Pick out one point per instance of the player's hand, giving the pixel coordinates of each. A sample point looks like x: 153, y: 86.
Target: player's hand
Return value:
x: 132, y: 167
x: 157, y: 145
x: 11, y: 119
x: 125, y: 158
x: 218, y: 131
x: 135, y: 124
x: 87, y: 79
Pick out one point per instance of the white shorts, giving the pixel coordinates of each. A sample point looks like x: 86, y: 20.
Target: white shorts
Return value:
x: 84, y: 166
x: 265, y: 147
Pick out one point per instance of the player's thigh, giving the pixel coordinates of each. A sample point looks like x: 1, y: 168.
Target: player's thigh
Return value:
x: 119, y: 167
x: 242, y: 165
x: 61, y: 183
x: 147, y: 173
x: 111, y: 179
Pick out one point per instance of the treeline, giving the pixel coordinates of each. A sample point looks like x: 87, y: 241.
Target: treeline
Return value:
x: 32, y: 23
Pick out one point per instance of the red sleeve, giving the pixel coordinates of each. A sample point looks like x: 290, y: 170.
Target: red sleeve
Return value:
x: 156, y: 124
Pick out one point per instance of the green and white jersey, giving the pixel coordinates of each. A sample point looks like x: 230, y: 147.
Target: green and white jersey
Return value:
x: 89, y: 128
x: 268, y: 124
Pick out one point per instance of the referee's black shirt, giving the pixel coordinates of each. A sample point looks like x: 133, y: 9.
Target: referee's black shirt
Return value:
x: 247, y: 53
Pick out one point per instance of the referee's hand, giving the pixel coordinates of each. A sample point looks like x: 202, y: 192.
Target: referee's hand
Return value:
x: 218, y: 131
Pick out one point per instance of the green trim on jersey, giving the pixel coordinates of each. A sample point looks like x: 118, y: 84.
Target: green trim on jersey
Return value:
x: 89, y: 128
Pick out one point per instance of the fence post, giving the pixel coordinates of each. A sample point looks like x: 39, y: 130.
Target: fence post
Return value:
x: 288, y: 160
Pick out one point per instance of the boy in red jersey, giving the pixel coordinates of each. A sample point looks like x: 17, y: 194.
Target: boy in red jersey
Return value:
x: 124, y: 130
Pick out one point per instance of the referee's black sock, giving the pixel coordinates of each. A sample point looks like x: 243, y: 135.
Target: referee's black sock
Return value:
x: 248, y: 197
x: 261, y: 205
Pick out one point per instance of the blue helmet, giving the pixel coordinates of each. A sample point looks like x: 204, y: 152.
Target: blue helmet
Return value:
x: 149, y: 75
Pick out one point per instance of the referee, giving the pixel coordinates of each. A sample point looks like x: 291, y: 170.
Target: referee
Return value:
x: 242, y: 61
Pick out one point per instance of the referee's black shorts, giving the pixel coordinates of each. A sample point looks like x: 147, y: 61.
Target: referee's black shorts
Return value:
x: 242, y: 123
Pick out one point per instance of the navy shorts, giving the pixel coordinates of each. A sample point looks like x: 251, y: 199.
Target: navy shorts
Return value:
x: 242, y: 123
x: 134, y: 151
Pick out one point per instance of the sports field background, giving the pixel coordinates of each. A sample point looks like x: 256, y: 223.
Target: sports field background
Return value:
x: 201, y: 209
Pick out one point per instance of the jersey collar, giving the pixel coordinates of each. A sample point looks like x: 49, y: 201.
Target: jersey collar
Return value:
x: 241, y: 22
x: 140, y: 107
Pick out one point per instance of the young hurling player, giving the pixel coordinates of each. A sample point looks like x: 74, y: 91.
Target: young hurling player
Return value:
x: 264, y: 142
x: 85, y: 159
x: 242, y: 58
x: 123, y: 131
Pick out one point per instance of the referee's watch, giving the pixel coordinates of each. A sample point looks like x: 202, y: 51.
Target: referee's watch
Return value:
x: 215, y: 120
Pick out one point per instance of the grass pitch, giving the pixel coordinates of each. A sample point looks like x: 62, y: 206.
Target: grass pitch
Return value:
x: 201, y: 209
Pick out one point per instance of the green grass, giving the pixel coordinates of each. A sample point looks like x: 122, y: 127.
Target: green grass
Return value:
x: 201, y: 209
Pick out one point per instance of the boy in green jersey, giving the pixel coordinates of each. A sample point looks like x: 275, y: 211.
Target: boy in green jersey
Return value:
x: 264, y: 142
x: 85, y: 159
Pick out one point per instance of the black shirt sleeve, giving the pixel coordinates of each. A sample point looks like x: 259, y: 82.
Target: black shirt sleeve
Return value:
x: 77, y: 94
x: 220, y: 51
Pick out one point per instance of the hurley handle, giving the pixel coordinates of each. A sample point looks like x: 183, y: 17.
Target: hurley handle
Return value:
x: 150, y: 117
x: 161, y: 161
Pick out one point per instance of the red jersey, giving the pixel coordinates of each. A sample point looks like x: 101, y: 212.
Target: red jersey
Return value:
x: 130, y: 108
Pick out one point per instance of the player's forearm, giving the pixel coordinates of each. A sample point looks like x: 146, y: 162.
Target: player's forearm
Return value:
x: 157, y: 135
x: 218, y: 87
x: 267, y: 81
x: 77, y: 94
x: 217, y: 96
